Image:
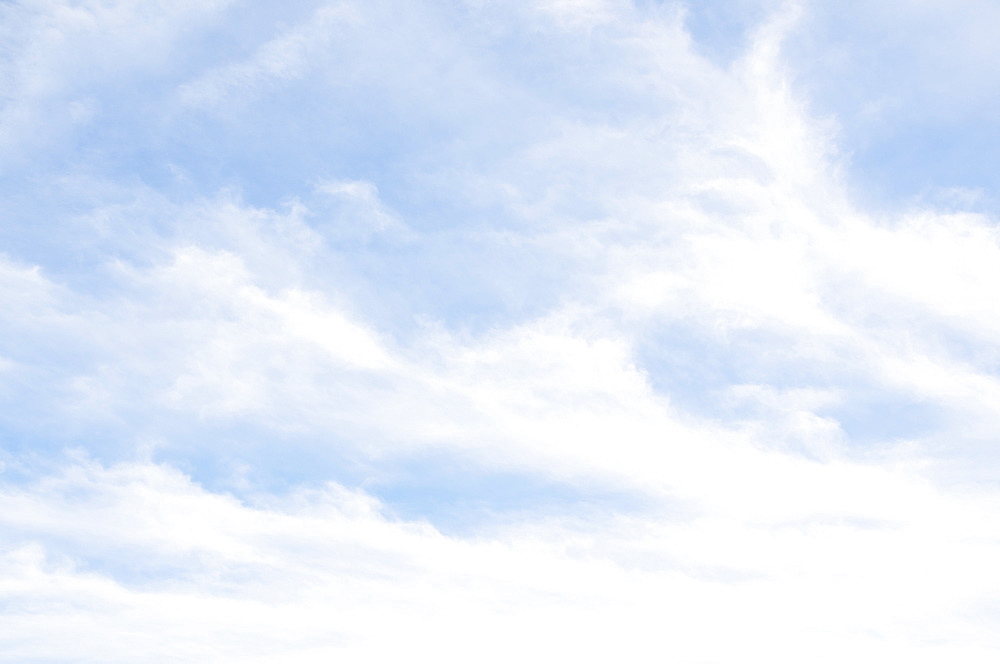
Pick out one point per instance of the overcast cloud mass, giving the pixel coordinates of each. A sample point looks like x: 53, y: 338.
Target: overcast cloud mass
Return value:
x: 535, y: 331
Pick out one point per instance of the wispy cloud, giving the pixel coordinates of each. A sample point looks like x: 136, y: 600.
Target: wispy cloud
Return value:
x: 361, y: 260
x: 321, y: 572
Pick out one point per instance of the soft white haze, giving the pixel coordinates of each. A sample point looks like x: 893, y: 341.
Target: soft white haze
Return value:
x: 471, y: 331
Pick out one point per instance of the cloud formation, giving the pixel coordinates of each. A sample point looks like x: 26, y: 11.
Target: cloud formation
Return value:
x: 534, y: 331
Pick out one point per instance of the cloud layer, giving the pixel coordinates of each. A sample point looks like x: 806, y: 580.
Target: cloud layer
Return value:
x: 538, y: 331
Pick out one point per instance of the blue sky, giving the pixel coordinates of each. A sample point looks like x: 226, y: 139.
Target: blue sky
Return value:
x: 536, y: 331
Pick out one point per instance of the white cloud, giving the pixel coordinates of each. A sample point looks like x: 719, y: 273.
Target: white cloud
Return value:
x: 617, y: 188
x: 170, y: 571
x: 358, y: 211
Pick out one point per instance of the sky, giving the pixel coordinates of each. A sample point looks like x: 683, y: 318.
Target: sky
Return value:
x: 541, y: 330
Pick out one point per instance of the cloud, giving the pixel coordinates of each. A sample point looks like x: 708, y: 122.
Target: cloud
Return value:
x: 358, y: 211
x: 60, y: 60
x: 161, y: 566
x: 909, y: 86
x: 552, y: 244
x: 285, y: 57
